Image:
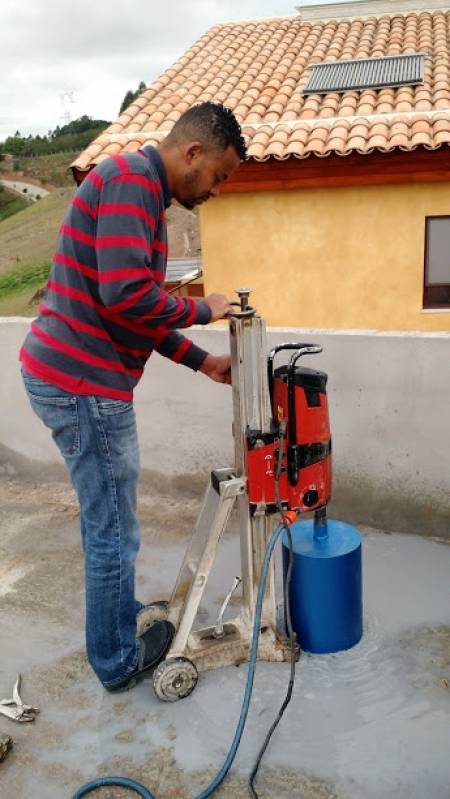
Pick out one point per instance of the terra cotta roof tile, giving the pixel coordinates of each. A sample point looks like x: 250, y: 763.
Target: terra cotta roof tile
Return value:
x: 260, y: 68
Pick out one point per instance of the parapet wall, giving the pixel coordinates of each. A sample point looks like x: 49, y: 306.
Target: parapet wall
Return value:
x: 389, y: 403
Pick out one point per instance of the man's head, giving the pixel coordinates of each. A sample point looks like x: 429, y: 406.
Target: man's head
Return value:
x: 202, y: 150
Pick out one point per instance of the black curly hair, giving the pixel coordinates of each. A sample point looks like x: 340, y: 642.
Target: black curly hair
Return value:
x: 213, y: 124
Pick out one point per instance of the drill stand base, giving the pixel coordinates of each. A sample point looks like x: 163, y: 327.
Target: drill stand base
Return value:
x: 204, y: 648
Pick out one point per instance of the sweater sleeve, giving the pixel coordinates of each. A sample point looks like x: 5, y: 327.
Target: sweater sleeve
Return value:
x: 181, y: 350
x: 128, y: 211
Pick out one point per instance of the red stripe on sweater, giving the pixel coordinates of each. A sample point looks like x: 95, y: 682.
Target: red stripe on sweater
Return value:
x: 160, y: 246
x: 79, y: 355
x: 193, y: 312
x: 83, y: 206
x: 121, y: 163
x: 133, y: 352
x: 75, y: 324
x: 74, y: 294
x: 72, y: 263
x: 81, y: 296
x: 96, y: 180
x: 157, y: 308
x: 104, y: 242
x: 74, y: 385
x: 126, y: 273
x: 126, y: 208
x: 109, y: 275
x: 181, y: 308
x: 77, y: 235
x: 97, y: 332
x: 152, y: 186
x: 182, y: 349
x: 131, y: 300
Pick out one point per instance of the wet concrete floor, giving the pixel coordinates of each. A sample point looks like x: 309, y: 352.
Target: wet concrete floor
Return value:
x: 371, y: 723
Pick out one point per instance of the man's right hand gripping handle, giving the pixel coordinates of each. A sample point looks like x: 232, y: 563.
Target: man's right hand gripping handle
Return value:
x: 219, y: 304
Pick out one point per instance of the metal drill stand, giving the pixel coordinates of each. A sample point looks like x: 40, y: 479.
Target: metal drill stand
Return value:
x: 227, y: 643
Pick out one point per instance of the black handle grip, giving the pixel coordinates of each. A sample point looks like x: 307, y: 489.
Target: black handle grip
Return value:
x: 305, y: 349
x: 292, y: 345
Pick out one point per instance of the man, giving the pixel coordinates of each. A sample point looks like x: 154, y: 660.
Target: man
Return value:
x: 104, y: 313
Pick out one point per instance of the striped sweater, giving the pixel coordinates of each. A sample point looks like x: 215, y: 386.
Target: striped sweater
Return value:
x: 105, y: 309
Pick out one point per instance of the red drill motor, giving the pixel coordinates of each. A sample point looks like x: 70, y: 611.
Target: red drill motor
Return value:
x: 300, y: 408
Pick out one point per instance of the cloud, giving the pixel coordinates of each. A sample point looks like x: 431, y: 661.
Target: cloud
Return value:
x: 97, y: 51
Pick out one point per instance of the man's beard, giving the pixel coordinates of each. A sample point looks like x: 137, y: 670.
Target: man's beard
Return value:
x: 189, y: 203
x: 190, y: 183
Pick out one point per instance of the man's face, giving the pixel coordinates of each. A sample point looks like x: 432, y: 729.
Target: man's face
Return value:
x: 204, y: 171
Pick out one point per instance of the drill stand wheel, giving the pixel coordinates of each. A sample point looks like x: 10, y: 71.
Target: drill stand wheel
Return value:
x: 174, y: 678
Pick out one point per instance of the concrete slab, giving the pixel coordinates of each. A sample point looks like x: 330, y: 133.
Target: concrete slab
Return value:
x: 371, y: 723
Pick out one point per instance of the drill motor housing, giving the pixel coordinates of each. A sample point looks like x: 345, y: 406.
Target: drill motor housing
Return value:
x: 299, y: 416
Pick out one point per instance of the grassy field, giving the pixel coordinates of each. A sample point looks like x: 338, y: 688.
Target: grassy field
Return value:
x: 10, y: 203
x: 20, y: 302
x: 29, y: 237
x: 27, y: 243
x: 19, y: 287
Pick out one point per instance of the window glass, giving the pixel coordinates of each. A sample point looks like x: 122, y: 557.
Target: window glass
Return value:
x: 436, y: 290
x: 439, y: 250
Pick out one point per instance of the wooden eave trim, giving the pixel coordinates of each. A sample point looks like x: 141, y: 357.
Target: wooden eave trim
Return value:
x: 80, y: 174
x: 415, y: 166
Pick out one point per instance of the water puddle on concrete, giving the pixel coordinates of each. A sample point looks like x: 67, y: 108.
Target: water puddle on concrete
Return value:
x: 370, y: 723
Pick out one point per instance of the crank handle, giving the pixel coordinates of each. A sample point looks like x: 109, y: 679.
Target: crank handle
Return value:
x: 218, y: 629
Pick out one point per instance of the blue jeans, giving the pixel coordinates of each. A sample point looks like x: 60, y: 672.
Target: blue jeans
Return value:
x: 98, y: 440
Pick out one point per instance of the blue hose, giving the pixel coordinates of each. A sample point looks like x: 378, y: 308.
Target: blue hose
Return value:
x: 220, y: 776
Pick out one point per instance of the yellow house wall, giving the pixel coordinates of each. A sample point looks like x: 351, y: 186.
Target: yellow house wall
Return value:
x: 343, y: 258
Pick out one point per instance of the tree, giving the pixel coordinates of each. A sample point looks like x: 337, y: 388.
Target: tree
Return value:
x: 74, y: 136
x: 14, y: 145
x: 131, y: 96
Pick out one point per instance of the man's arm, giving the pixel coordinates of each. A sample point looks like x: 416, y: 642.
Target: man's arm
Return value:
x: 125, y: 241
x: 182, y: 350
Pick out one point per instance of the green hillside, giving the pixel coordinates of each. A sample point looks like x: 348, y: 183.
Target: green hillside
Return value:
x: 27, y: 242
x: 51, y: 170
x: 10, y: 203
x: 29, y: 237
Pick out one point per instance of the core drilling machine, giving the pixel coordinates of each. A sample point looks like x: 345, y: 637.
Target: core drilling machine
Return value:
x: 282, y: 465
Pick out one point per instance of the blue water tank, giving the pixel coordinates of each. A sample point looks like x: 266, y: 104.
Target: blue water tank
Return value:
x: 326, y: 585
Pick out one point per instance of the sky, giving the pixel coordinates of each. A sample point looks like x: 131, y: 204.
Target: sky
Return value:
x: 61, y: 59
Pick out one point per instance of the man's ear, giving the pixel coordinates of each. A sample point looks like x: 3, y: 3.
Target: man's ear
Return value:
x: 192, y: 151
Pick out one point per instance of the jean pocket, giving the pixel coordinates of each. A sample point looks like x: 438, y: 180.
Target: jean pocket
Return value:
x: 60, y: 415
x: 111, y: 407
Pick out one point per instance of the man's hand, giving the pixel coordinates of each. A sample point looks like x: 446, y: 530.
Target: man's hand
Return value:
x: 218, y: 368
x: 219, y: 305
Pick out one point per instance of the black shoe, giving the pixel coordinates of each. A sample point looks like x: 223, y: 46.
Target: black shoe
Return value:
x: 155, y: 643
